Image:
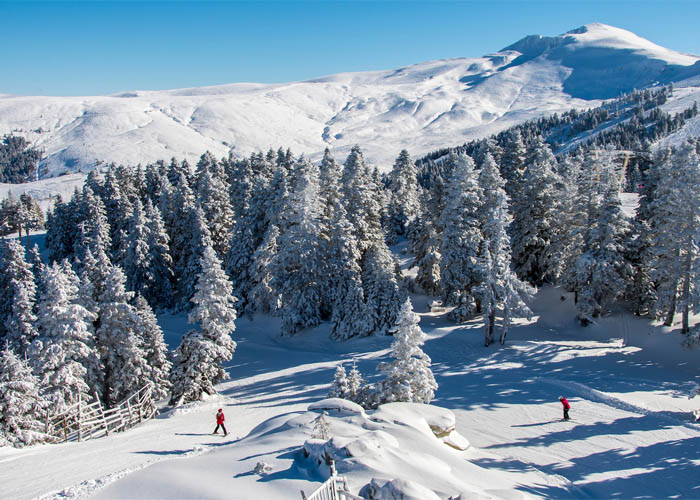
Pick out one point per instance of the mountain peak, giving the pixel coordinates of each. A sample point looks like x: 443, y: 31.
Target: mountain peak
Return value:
x: 599, y: 36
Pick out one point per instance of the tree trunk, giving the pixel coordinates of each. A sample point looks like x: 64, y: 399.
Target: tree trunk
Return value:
x: 686, y: 284
x: 26, y: 230
x: 671, y: 310
x: 490, y: 326
x: 106, y: 399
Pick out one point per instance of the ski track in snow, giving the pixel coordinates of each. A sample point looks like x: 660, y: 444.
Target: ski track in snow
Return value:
x: 592, y: 394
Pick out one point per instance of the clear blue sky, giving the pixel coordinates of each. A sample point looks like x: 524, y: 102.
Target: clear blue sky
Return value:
x: 85, y: 48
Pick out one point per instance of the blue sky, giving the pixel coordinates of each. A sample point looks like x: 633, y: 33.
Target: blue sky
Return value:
x: 84, y: 48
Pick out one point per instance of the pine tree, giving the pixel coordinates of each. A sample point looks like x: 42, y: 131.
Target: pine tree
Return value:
x: 299, y: 261
x: 535, y: 225
x: 428, y: 275
x: 160, y: 260
x: 147, y: 263
x: 37, y: 266
x: 198, y: 363
x: 66, y: 343
x: 404, y: 202
x: 123, y: 358
x: 642, y: 289
x: 339, y: 386
x: 265, y: 295
x: 213, y: 199
x: 196, y: 239
x: 60, y: 231
x: 362, y: 204
x: 93, y: 231
x: 603, y: 270
x: 409, y: 377
x: 18, y: 298
x: 118, y: 209
x: 21, y: 405
x: 513, y: 164
x: 500, y: 290
x: 343, y: 292
x: 177, y: 206
x: 356, y: 384
x: 247, y: 234
x: 154, y: 181
x: 322, y: 428
x: 136, y: 265
x: 584, y: 213
x: 383, y: 292
x: 676, y: 225
x: 154, y: 348
x: 461, y: 240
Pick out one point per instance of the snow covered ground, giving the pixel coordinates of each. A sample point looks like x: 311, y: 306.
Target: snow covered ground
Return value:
x: 632, y: 434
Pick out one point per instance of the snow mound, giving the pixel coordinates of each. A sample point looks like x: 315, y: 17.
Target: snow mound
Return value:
x: 407, y: 449
x: 337, y: 406
x: 441, y: 421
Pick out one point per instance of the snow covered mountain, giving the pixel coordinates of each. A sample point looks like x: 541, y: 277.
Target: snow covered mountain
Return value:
x: 420, y: 107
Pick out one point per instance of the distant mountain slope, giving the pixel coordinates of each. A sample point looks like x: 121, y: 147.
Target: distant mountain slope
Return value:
x: 420, y: 107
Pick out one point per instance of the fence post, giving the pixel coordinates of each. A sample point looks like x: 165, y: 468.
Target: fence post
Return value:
x: 65, y: 429
x: 131, y: 416
x: 80, y: 418
x: 102, y: 412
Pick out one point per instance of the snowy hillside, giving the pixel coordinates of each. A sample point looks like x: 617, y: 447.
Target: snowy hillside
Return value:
x: 421, y: 107
x: 631, y: 436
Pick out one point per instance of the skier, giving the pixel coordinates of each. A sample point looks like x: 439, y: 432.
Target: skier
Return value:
x: 566, y: 406
x: 220, y: 422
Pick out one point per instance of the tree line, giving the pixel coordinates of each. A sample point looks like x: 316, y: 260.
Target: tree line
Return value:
x: 278, y: 234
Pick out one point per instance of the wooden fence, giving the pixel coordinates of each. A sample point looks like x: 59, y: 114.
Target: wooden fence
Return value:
x: 86, y: 421
x: 335, y: 488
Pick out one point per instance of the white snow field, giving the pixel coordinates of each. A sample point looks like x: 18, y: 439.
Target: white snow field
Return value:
x: 421, y: 108
x: 632, y: 433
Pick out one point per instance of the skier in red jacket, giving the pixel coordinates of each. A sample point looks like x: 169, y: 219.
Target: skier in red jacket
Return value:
x: 220, y: 422
x: 566, y: 406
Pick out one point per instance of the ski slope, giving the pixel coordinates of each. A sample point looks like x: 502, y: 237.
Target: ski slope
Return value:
x: 421, y: 108
x: 632, y: 434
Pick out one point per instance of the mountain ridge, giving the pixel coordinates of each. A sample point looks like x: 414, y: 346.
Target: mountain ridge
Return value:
x: 420, y: 107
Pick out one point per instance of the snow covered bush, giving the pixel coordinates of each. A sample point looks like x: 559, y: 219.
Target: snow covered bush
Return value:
x: 322, y: 428
x: 693, y: 393
x: 347, y: 386
x: 339, y: 386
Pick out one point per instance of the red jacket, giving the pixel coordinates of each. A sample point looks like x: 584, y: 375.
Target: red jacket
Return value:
x: 565, y: 403
x: 220, y: 418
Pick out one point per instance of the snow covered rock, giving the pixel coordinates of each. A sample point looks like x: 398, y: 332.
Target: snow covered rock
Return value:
x: 397, y: 489
x: 262, y: 468
x: 441, y: 421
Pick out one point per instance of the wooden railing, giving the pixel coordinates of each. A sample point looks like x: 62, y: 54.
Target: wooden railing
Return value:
x: 86, y: 421
x: 335, y: 488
